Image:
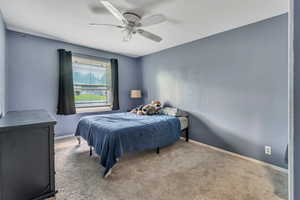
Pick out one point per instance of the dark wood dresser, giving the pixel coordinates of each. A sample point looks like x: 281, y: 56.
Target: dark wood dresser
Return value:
x: 27, y: 155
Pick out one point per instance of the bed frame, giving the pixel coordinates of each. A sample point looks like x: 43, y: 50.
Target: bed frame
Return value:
x: 184, y: 131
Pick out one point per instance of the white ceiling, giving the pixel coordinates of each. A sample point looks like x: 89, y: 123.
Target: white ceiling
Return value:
x: 188, y: 20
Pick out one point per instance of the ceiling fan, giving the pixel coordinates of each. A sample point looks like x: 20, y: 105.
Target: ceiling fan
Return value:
x: 131, y: 23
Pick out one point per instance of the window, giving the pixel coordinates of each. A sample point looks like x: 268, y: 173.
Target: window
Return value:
x: 92, y: 82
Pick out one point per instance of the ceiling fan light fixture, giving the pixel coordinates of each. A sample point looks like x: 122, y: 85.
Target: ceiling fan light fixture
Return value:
x: 127, y: 35
x: 132, y: 22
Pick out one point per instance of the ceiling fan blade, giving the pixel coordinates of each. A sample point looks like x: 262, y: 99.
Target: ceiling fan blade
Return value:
x: 117, y: 26
x: 149, y: 35
x: 152, y: 20
x: 114, y: 11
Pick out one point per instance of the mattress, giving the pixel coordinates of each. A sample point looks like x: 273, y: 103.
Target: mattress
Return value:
x: 183, y: 122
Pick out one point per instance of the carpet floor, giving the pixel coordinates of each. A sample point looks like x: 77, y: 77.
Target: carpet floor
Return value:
x: 183, y: 171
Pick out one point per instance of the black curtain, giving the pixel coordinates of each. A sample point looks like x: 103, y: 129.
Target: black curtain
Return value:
x: 286, y: 157
x: 115, y: 84
x: 66, y: 103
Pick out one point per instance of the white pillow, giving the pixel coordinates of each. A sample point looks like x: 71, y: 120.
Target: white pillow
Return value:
x: 173, y: 111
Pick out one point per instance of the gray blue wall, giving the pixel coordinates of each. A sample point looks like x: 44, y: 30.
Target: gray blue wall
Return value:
x: 233, y: 84
x: 33, y: 76
x: 297, y: 100
x: 2, y: 66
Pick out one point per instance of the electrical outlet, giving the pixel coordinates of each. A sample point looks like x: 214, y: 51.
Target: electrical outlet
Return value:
x: 268, y: 150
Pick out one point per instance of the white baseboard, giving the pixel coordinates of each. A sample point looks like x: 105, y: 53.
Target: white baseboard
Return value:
x: 63, y: 137
x: 240, y: 156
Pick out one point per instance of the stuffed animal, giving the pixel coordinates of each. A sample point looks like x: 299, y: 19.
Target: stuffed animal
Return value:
x: 138, y: 109
x: 157, y: 106
x: 148, y: 109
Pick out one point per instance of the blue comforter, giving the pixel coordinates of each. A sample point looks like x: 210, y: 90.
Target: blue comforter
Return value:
x: 112, y: 135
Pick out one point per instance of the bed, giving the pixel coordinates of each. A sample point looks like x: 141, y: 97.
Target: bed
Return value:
x: 112, y: 135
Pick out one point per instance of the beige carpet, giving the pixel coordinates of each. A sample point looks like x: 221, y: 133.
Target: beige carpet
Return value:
x: 183, y: 171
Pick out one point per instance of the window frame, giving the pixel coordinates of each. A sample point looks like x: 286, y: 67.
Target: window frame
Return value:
x: 95, y: 108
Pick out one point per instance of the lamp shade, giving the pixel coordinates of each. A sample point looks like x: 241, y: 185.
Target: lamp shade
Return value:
x: 135, y: 94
